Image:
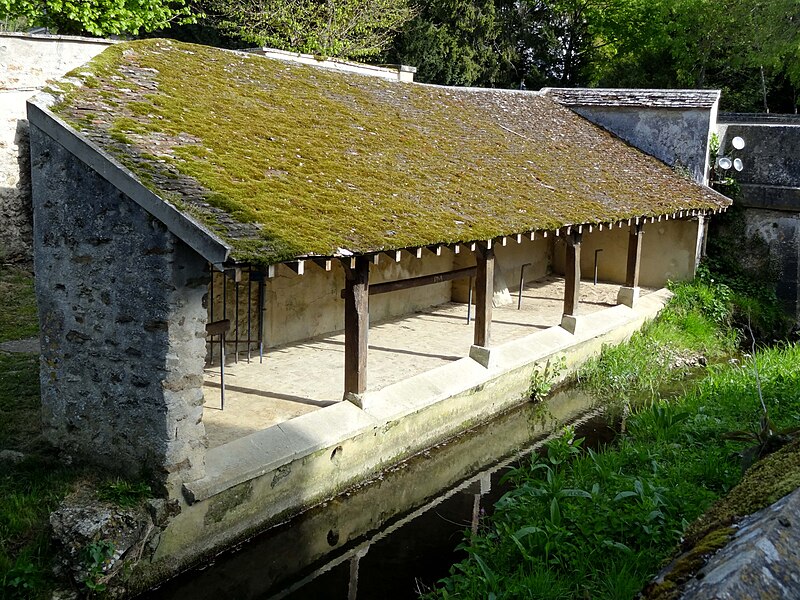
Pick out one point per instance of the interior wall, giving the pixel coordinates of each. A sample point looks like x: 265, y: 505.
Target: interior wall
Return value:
x: 538, y: 254
x: 669, y: 251
x: 300, y: 307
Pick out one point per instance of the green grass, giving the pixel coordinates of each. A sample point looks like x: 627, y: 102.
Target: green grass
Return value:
x: 18, y: 317
x: 599, y: 524
x: 28, y: 490
x: 696, y: 323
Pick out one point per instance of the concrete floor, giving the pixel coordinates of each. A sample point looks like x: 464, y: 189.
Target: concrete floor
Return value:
x: 306, y: 376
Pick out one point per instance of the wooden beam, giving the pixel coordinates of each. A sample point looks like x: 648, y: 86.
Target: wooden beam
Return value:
x: 376, y: 259
x: 572, y: 274
x: 403, y: 284
x: 326, y: 264
x: 484, y: 290
x: 298, y: 266
x: 437, y: 250
x: 415, y: 252
x: 395, y: 255
x: 234, y: 274
x: 356, y: 325
x: 634, y: 256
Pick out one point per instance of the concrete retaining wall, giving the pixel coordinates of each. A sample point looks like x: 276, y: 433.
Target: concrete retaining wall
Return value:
x: 27, y: 62
x: 264, y: 477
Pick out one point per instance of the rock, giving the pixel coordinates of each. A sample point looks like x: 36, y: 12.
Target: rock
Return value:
x: 29, y: 345
x: 761, y: 560
x: 11, y: 457
x: 97, y: 538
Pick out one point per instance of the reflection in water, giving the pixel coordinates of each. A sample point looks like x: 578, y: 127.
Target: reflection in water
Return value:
x: 392, y: 537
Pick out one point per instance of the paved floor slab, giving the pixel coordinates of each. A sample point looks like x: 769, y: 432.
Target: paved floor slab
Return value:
x: 304, y: 377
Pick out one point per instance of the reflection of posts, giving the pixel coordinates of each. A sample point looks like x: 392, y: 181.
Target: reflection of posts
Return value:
x: 352, y: 590
x: 486, y: 487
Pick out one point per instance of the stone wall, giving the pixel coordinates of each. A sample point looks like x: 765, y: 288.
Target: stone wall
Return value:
x: 770, y: 192
x: 122, y: 325
x: 770, y: 178
x: 780, y: 230
x: 26, y: 63
x: 675, y: 126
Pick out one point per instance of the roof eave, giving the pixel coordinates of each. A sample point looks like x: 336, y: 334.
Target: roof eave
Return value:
x: 203, y: 241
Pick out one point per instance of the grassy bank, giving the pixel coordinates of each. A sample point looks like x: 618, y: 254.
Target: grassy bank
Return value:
x: 598, y: 524
x: 18, y: 319
x: 29, y: 489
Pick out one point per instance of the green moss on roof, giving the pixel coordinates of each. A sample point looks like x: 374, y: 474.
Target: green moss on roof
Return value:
x: 284, y: 160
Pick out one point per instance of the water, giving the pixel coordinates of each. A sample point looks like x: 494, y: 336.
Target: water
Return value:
x: 392, y: 536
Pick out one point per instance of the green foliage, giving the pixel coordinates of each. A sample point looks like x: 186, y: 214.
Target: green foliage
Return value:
x: 613, y: 43
x: 338, y: 28
x: 98, y: 17
x: 544, y: 378
x: 696, y: 323
x: 28, y: 490
x: 96, y: 558
x: 19, y: 318
x: 457, y: 43
x: 584, y: 523
x: 122, y: 492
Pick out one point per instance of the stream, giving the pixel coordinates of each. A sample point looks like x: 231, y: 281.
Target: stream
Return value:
x: 392, y: 536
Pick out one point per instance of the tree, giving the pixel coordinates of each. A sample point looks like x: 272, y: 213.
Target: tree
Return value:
x: 340, y: 28
x: 458, y: 42
x: 97, y: 17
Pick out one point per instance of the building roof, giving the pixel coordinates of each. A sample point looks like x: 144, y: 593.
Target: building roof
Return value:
x: 282, y: 160
x: 647, y: 98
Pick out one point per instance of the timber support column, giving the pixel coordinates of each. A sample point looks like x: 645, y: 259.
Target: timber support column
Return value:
x: 572, y: 281
x: 484, y: 290
x: 356, y: 326
x: 629, y: 293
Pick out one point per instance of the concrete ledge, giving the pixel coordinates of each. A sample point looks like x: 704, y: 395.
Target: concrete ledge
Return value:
x: 264, y: 451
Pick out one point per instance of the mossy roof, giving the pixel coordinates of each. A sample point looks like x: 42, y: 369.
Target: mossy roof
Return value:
x: 283, y: 160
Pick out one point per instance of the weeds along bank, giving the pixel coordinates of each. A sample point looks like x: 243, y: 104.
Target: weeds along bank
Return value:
x: 599, y: 524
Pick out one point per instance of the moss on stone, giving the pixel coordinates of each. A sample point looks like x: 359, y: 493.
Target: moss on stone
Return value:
x: 765, y: 483
x: 688, y: 564
x: 316, y: 160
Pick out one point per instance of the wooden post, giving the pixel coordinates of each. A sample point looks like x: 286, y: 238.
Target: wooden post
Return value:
x: 356, y: 325
x: 634, y: 256
x: 484, y: 289
x: 572, y: 273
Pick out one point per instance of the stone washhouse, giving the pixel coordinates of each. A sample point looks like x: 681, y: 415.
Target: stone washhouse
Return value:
x: 190, y: 202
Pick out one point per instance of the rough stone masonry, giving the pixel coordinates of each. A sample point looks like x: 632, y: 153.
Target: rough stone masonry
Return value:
x: 122, y: 325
